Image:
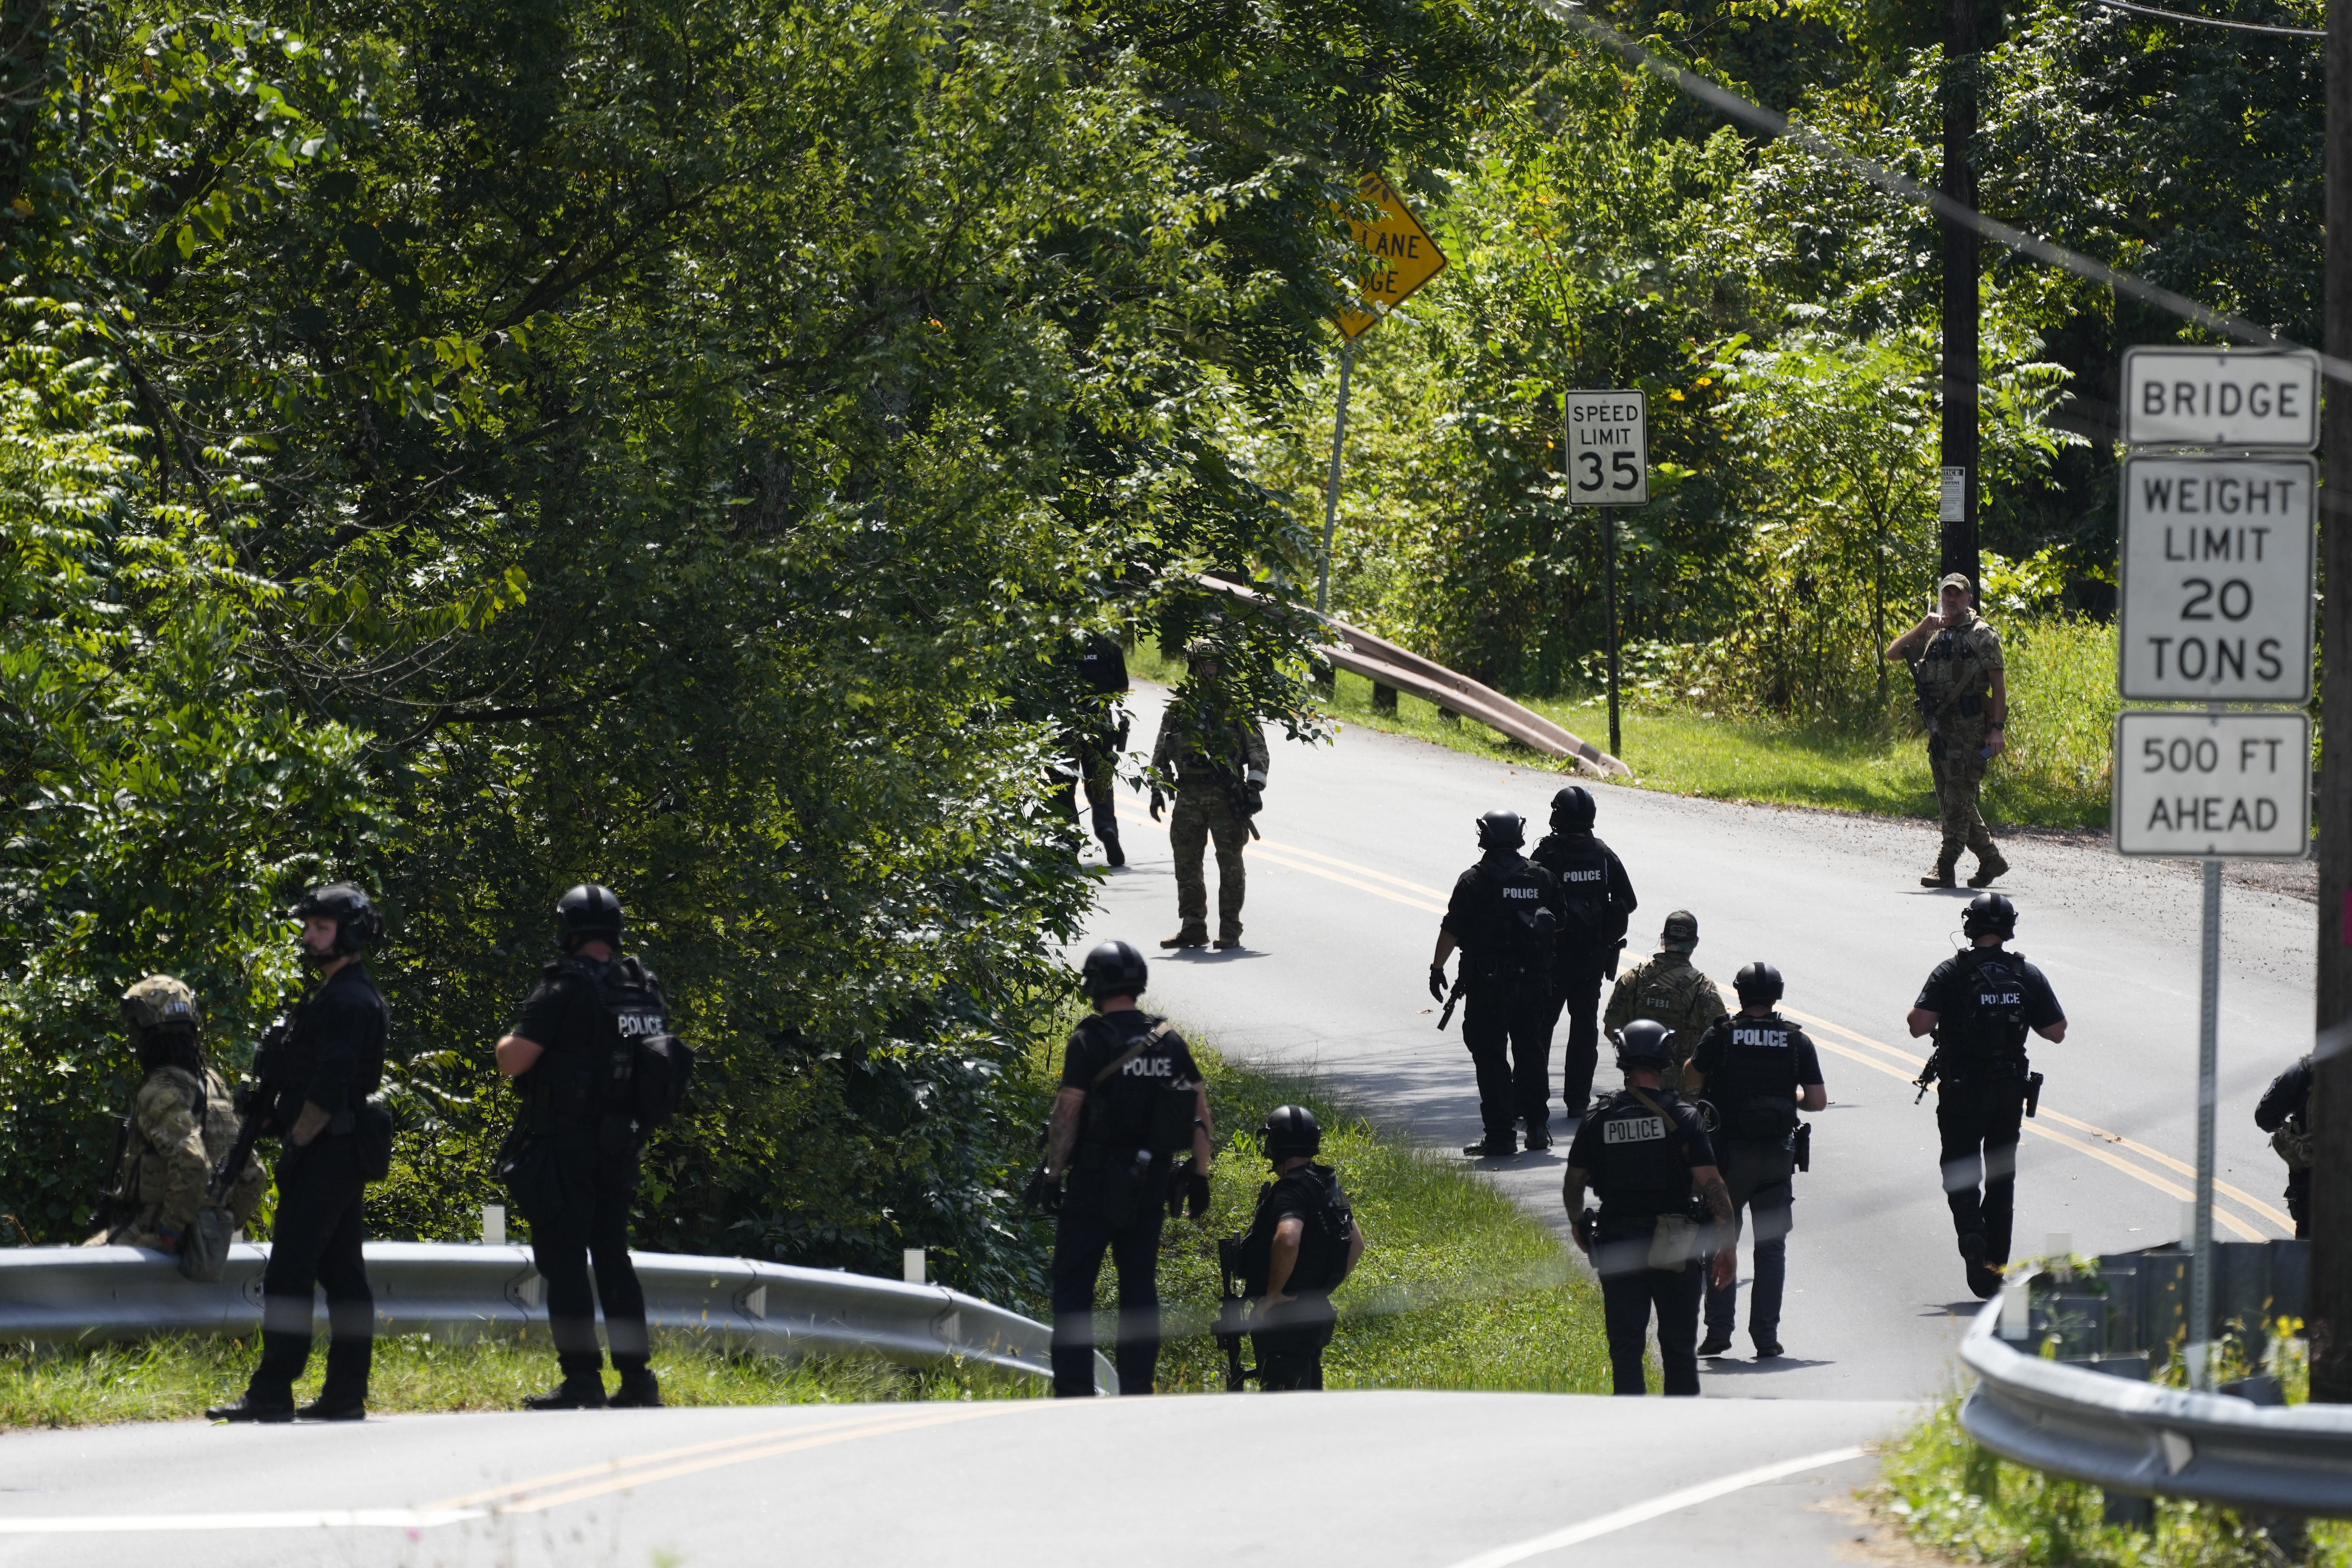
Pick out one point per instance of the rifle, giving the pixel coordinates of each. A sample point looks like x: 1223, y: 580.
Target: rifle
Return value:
x: 1232, y: 1321
x: 257, y: 1106
x: 108, y: 1183
x: 1933, y: 1070
x: 1454, y: 996
x: 2032, y: 1093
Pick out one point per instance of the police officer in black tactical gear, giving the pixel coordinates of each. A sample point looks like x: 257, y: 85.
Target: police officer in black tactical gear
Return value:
x: 1093, y: 737
x: 1645, y: 1151
x: 335, y: 1142
x: 1981, y: 1004
x: 2285, y: 1114
x: 1131, y: 1098
x: 1302, y: 1242
x: 590, y: 1054
x: 1503, y: 915
x: 1596, y: 897
x: 1757, y: 1070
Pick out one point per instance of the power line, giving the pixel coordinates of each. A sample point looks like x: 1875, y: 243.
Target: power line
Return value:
x: 2212, y: 21
x: 1729, y: 104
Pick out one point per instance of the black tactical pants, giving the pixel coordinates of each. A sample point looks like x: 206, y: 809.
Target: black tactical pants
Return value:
x: 1291, y: 1358
x: 316, y: 1240
x: 1508, y: 1030
x: 592, y: 1222
x: 1080, y: 1238
x: 2298, y: 1202
x: 1760, y: 1178
x: 1627, y: 1296
x: 1579, y: 986
x: 1099, y: 771
x: 1978, y: 1117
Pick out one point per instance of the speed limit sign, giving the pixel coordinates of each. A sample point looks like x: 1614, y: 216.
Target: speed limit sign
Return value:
x: 1608, y: 448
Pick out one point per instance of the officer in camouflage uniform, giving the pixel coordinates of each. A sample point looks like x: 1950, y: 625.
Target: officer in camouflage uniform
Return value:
x: 1217, y: 760
x: 1668, y: 989
x: 183, y: 1123
x: 1955, y: 665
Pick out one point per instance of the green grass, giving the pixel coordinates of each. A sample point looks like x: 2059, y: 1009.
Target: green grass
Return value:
x: 1951, y: 1495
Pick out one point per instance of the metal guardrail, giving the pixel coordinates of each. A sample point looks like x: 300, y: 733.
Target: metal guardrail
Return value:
x: 51, y: 1294
x: 1376, y: 660
x: 2142, y: 1439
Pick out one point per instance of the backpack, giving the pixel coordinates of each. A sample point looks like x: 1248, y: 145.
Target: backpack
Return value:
x: 637, y: 1069
x: 1322, y: 1250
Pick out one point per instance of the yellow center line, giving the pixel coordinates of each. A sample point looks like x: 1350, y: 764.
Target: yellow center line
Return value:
x: 871, y: 1425
x: 2244, y: 1199
x: 1280, y: 854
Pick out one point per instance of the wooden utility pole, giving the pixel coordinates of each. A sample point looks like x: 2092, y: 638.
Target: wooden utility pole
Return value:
x: 2330, y: 1318
x: 1957, y: 508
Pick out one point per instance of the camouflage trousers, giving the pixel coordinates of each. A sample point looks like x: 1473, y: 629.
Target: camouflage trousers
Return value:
x: 1954, y: 758
x: 1198, y: 815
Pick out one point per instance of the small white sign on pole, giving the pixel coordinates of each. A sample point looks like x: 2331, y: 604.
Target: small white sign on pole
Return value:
x: 2217, y: 579
x: 2240, y: 398
x: 1608, y: 448
x: 2213, y: 786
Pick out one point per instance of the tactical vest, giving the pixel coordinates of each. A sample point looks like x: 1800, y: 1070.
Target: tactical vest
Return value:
x: 583, y: 1083
x: 1581, y: 866
x: 1515, y: 928
x: 1753, y: 1090
x: 1323, y: 1245
x: 1988, y: 1027
x: 1952, y: 675
x: 1143, y: 1102
x: 1643, y: 1168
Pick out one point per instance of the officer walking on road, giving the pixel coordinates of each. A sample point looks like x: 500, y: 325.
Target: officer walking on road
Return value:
x: 1094, y: 735
x: 1981, y: 1004
x: 335, y: 1143
x: 2285, y: 1114
x: 1216, y: 758
x: 1302, y: 1242
x: 1645, y: 1153
x: 181, y: 1124
x: 1131, y: 1097
x: 1503, y: 915
x: 1596, y: 896
x: 598, y: 1069
x: 1955, y: 666
x: 1668, y: 989
x: 1758, y: 1070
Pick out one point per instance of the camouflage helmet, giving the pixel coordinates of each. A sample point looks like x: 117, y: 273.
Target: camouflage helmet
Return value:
x: 1200, y: 649
x: 158, y: 1003
x: 1680, y: 933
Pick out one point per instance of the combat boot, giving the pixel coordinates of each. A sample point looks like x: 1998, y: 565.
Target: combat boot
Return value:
x: 1112, y: 853
x: 1493, y: 1147
x: 333, y: 1406
x: 639, y: 1390
x: 1988, y: 865
x: 1984, y: 1280
x: 1942, y: 876
x: 1230, y: 940
x: 248, y: 1408
x: 1191, y: 936
x: 572, y: 1393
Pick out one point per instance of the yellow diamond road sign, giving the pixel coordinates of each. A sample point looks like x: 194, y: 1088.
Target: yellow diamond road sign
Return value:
x: 1402, y: 255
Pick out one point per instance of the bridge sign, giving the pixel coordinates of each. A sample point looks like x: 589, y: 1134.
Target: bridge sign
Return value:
x: 1608, y: 448
x: 2217, y: 579
x: 1402, y: 254
x: 2244, y: 399
x: 2213, y: 786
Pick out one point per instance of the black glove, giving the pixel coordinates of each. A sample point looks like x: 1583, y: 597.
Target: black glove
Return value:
x: 1159, y: 802
x: 1581, y: 1228
x: 1253, y: 799
x: 1187, y: 1190
x: 1043, y: 1193
x: 1437, y: 982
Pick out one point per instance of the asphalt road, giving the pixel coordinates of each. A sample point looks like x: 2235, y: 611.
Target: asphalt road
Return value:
x: 1364, y: 837
x: 1416, y: 1481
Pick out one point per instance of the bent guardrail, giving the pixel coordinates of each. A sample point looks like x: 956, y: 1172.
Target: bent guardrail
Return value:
x: 1376, y: 660
x: 52, y: 1294
x: 2134, y: 1438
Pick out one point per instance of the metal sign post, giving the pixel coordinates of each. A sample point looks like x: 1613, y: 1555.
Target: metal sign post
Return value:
x: 1331, y: 494
x: 2218, y: 555
x: 1607, y: 461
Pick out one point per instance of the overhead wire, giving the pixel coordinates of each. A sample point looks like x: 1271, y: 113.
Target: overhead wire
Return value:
x: 2211, y: 21
x: 1732, y: 106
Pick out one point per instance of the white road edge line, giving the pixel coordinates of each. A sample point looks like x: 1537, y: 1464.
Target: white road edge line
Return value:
x: 312, y: 1519
x: 1640, y: 1512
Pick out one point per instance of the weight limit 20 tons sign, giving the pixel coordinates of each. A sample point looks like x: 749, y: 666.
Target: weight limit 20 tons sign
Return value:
x: 2217, y: 579
x: 2213, y: 786
x: 1608, y: 448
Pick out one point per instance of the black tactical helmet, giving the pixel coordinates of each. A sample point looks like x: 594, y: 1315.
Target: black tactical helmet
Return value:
x: 1989, y: 914
x: 1114, y: 968
x: 1502, y: 829
x: 589, y: 912
x: 1759, y: 981
x: 1572, y: 810
x: 357, y: 924
x: 1642, y: 1043
x: 1291, y: 1131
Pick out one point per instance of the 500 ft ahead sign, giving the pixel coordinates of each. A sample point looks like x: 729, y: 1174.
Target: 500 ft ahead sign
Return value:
x: 2217, y: 559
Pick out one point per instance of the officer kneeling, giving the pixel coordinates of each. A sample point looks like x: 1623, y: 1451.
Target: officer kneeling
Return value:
x: 1645, y: 1153
x: 1130, y: 1098
x: 1301, y: 1243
